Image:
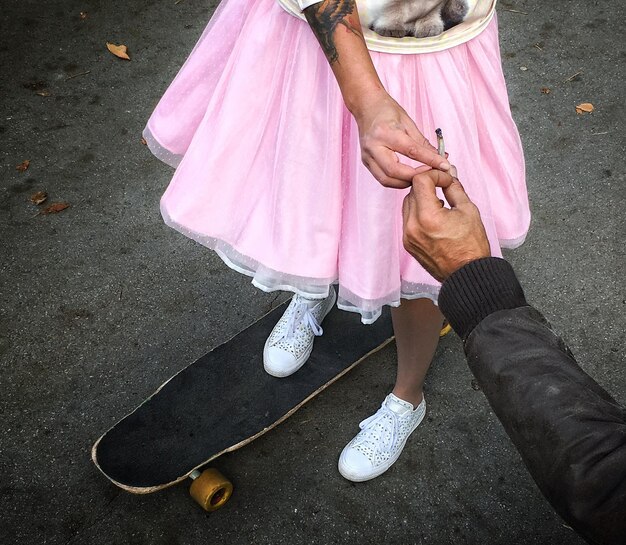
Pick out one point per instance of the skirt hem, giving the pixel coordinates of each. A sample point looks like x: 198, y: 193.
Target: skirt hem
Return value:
x: 269, y: 280
x: 159, y: 150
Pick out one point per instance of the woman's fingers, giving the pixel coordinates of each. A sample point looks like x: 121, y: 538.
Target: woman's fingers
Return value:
x: 415, y: 134
x: 388, y: 161
x: 385, y: 133
x: 390, y: 172
x: 386, y: 180
x: 421, y: 151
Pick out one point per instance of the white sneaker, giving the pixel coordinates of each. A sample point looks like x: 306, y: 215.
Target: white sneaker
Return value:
x: 381, y: 439
x: 291, y: 341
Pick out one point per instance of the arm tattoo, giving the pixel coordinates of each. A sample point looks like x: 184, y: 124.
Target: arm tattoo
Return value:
x: 325, y: 17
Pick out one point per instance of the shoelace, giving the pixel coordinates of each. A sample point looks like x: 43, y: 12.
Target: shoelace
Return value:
x: 300, y: 313
x: 372, y: 420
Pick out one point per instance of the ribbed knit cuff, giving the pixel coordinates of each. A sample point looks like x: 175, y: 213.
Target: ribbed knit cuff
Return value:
x: 477, y: 290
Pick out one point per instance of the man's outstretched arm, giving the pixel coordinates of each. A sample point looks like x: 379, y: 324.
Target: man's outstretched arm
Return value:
x: 570, y: 432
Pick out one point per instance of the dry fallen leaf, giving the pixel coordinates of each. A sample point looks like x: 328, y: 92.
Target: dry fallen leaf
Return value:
x: 120, y: 51
x: 23, y: 166
x: 43, y: 93
x: 585, y: 107
x: 39, y: 197
x: 55, y: 208
x: 546, y: 90
x: 83, y: 15
x: 143, y: 141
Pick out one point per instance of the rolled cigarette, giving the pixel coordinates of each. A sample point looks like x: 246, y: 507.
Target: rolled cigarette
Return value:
x: 441, y: 146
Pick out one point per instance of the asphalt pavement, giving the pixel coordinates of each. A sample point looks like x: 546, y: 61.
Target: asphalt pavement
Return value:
x: 101, y: 302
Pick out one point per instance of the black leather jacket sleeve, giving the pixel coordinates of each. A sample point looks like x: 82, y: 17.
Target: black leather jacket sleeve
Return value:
x: 570, y: 432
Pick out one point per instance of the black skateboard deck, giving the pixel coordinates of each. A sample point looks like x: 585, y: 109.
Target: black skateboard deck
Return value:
x: 225, y: 400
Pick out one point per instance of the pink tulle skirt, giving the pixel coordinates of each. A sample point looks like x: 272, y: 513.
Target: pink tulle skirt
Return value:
x: 268, y: 167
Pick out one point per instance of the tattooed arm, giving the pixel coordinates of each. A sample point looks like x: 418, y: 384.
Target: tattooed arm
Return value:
x: 384, y: 127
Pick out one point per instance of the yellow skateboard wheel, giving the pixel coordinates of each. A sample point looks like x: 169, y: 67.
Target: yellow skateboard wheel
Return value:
x: 210, y: 489
x: 445, y: 329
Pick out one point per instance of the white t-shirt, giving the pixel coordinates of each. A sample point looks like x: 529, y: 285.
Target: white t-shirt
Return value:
x: 426, y: 26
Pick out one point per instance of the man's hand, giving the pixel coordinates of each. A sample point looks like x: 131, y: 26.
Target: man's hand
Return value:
x: 442, y: 239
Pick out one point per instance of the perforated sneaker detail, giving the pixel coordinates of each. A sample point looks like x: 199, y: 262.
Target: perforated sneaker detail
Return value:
x: 381, y: 440
x: 291, y: 341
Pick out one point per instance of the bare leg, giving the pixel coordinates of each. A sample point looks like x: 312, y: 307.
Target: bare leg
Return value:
x: 416, y: 324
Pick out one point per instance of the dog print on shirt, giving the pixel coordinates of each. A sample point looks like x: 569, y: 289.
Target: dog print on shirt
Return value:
x: 416, y: 18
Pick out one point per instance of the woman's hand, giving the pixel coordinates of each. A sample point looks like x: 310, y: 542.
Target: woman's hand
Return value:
x: 386, y: 129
